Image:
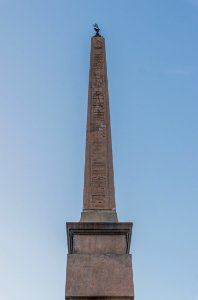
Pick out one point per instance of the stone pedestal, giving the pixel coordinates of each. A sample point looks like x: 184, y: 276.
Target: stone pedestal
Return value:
x: 99, y: 265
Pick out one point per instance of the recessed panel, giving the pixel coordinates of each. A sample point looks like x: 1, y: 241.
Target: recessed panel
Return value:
x: 99, y: 244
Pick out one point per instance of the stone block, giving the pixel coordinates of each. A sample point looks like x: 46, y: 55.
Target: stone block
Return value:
x: 100, y: 276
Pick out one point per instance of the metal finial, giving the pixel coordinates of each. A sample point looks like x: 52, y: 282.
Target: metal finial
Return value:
x: 97, y: 29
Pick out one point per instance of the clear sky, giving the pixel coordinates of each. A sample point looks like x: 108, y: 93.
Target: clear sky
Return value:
x: 152, y: 55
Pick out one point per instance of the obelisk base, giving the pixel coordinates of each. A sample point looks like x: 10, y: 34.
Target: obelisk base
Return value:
x: 99, y: 265
x: 98, y: 216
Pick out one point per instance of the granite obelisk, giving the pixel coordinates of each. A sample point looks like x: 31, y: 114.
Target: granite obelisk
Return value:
x: 99, y: 265
x: 99, y: 194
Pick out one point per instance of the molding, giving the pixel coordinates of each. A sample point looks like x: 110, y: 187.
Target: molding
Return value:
x: 98, y: 298
x: 83, y: 228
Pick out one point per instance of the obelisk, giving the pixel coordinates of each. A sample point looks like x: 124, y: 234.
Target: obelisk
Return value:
x: 99, y: 194
x: 99, y: 265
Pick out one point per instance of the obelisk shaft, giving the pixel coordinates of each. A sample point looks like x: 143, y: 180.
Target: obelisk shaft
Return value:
x: 99, y: 194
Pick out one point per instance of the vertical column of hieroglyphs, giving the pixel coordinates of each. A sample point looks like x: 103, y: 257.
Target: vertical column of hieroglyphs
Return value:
x: 98, y: 124
x: 98, y: 164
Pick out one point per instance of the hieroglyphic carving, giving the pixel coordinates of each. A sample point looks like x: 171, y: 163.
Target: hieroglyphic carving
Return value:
x: 98, y: 44
x: 96, y: 192
x: 99, y: 164
x: 99, y: 186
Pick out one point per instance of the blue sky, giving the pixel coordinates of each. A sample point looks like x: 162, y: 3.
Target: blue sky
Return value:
x: 152, y: 60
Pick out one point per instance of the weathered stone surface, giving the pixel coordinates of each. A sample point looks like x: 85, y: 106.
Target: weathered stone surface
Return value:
x: 99, y: 216
x: 99, y: 244
x: 99, y: 263
x: 99, y: 191
x: 99, y: 275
